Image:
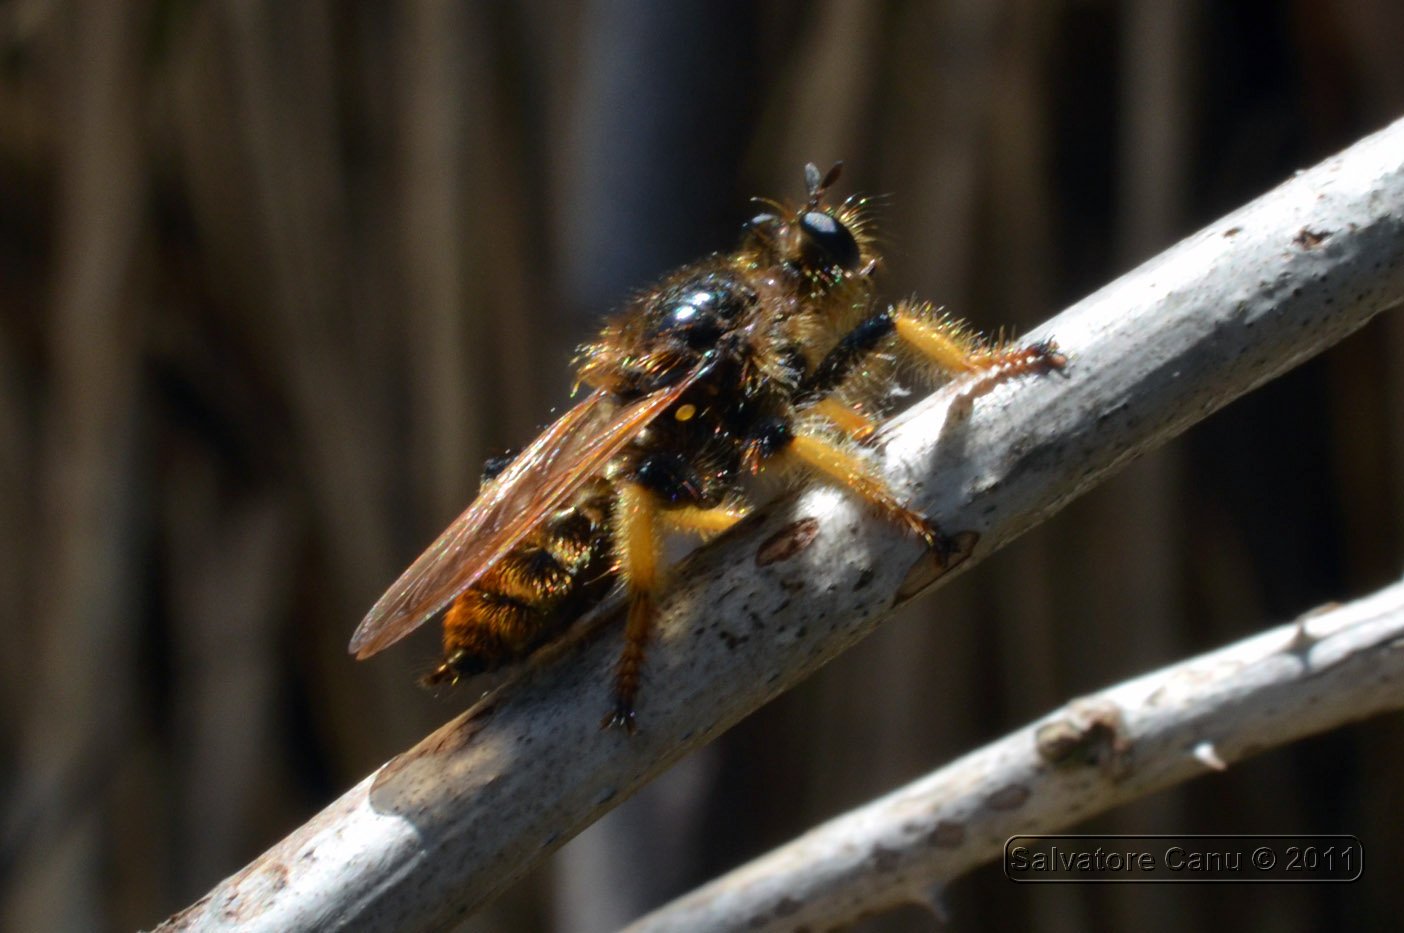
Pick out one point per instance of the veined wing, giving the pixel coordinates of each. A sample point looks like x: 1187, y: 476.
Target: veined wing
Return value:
x: 540, y: 480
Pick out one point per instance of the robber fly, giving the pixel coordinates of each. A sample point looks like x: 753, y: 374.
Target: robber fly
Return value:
x: 724, y: 368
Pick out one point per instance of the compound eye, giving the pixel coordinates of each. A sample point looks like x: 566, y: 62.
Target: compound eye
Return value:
x: 828, y: 242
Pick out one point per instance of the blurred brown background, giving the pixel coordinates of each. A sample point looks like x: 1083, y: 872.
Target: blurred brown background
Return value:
x: 275, y: 278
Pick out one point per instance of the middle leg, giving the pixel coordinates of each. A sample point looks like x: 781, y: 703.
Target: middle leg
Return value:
x: 851, y: 472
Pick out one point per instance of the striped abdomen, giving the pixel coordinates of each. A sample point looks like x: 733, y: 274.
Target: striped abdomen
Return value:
x: 524, y: 599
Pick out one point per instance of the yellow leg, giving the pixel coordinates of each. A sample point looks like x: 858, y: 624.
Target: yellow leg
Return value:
x: 944, y: 343
x: 849, y: 420
x: 853, y: 474
x: 638, y: 552
x: 954, y: 348
x: 701, y: 522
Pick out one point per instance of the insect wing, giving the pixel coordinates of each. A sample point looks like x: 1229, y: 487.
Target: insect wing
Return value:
x: 463, y: 551
x: 541, y: 479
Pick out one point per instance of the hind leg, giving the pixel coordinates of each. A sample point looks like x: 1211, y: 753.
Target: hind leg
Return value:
x: 637, y: 553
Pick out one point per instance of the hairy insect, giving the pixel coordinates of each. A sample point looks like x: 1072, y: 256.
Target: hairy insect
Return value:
x: 728, y: 366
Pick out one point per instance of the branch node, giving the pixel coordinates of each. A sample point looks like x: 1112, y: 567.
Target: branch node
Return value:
x: 1208, y: 755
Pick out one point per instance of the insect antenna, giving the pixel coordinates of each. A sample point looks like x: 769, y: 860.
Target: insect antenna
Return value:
x: 816, y: 185
x: 775, y: 206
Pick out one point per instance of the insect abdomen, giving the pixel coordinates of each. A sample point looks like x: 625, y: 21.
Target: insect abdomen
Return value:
x: 518, y: 604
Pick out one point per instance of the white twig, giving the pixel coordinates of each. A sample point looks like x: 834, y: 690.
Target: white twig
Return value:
x: 444, y: 827
x: 1200, y: 715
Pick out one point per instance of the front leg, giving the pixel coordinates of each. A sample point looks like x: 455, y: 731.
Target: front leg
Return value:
x: 953, y: 348
x: 840, y: 362
x: 939, y: 339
